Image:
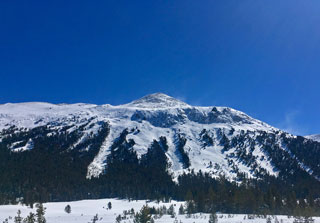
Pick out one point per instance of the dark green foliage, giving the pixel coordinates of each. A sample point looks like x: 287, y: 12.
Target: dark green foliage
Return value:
x: 305, y: 150
x: 184, y: 158
x: 171, y: 211
x: 18, y: 218
x: 204, y: 194
x: 181, y: 210
x: 118, y: 219
x: 31, y: 218
x: 213, y: 218
x: 95, y: 219
x: 268, y: 220
x: 155, y: 157
x: 225, y: 142
x: 47, y: 172
x: 163, y: 143
x: 144, y: 216
x: 127, y: 176
x: 40, y: 212
x: 191, y: 207
x: 206, y: 139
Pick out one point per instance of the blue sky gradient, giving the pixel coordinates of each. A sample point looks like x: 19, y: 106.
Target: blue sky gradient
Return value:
x: 260, y: 57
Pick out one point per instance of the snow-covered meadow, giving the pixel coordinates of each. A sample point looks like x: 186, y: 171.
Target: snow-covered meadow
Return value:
x: 84, y: 211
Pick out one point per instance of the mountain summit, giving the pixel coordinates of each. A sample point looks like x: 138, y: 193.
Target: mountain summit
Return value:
x: 157, y: 100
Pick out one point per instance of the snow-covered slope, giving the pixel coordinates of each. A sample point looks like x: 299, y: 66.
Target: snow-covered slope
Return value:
x: 315, y: 137
x: 216, y: 140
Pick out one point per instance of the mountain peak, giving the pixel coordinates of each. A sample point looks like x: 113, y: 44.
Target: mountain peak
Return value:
x: 157, y: 100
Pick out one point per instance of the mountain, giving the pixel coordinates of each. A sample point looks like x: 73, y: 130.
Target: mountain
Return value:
x: 156, y: 139
x: 206, y: 136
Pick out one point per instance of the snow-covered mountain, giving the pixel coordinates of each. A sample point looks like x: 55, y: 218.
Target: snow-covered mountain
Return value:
x: 215, y: 140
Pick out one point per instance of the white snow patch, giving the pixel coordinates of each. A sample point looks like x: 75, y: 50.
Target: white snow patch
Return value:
x: 84, y: 210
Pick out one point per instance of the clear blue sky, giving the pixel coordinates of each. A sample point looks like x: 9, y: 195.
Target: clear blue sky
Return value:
x: 261, y: 57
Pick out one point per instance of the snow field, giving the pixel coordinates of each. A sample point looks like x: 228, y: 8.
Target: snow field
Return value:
x: 84, y: 210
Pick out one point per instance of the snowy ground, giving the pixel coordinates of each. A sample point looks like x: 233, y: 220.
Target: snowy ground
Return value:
x: 83, y: 211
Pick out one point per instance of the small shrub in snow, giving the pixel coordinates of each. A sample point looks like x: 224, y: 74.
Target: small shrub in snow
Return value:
x: 118, y: 219
x: 18, y: 218
x: 213, y: 218
x: 268, y: 220
x: 109, y: 205
x: 67, y: 209
x: 94, y: 219
x: 30, y: 218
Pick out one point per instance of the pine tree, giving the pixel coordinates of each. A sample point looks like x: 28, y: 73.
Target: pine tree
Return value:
x: 118, y: 219
x: 143, y: 216
x: 191, y: 207
x: 18, y: 218
x: 181, y: 210
x: 213, y: 218
x: 40, y: 212
x: 30, y: 218
x: 171, y: 211
x: 189, y: 196
x: 211, y: 195
x: 268, y: 219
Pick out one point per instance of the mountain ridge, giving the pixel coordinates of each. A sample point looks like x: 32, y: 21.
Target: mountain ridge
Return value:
x: 149, y: 118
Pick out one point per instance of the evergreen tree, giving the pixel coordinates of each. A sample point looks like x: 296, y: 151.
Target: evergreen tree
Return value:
x: 213, y: 218
x: 191, y: 207
x: 189, y: 196
x: 143, y: 216
x: 171, y: 211
x: 118, y: 219
x: 268, y: 220
x: 40, y: 212
x: 30, y: 218
x: 18, y: 218
x: 181, y: 210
